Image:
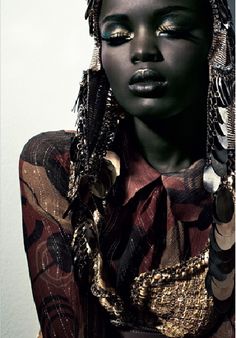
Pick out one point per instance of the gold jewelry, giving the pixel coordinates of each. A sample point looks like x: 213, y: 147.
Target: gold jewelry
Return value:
x: 162, y: 299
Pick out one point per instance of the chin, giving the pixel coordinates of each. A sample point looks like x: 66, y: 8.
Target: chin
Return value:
x: 151, y: 109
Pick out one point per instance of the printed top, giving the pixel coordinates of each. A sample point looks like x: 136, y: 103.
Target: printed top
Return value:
x: 137, y: 237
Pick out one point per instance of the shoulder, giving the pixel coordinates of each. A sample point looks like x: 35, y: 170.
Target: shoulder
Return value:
x: 44, y: 171
x: 45, y: 161
x: 47, y: 146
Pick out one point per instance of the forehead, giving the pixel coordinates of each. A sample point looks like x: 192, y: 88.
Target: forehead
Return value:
x: 142, y: 7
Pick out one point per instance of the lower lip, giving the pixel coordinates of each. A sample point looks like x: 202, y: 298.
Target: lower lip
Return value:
x: 148, y: 89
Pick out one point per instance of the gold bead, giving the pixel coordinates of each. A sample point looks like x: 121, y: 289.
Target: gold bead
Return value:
x: 157, y: 276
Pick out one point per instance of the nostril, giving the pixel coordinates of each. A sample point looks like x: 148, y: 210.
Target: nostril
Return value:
x: 146, y: 57
x: 135, y: 59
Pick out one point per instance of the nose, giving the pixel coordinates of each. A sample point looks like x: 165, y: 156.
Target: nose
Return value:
x: 144, y: 47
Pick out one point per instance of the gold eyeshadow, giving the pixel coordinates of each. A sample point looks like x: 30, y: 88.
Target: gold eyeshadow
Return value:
x: 165, y: 28
x: 114, y: 32
x: 117, y: 33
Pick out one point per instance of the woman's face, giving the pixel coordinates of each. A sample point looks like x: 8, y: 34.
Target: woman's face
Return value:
x: 154, y: 53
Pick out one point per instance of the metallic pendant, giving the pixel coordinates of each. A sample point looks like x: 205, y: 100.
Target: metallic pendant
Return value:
x: 221, y: 128
x: 211, y: 180
x: 223, y: 205
x: 222, y: 115
x: 219, y: 168
x: 221, y: 141
x: 220, y: 155
x: 224, y: 92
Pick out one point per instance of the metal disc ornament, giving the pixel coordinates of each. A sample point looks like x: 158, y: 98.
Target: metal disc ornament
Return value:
x: 220, y: 155
x: 223, y: 115
x: 219, y: 168
x: 221, y: 141
x: 211, y: 180
x: 223, y: 90
x: 221, y: 128
x: 223, y: 205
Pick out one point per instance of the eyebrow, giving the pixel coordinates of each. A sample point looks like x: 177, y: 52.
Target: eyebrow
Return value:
x: 170, y: 9
x: 159, y: 11
x: 115, y: 17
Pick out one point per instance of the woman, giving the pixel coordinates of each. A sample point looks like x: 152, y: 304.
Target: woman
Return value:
x: 128, y: 222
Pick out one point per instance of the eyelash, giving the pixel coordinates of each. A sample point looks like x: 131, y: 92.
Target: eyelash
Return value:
x: 170, y: 32
x: 173, y: 32
x: 116, y: 39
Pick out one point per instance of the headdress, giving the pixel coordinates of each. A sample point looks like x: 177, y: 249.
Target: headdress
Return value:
x: 93, y: 172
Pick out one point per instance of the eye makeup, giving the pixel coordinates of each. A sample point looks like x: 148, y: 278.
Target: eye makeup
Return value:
x: 116, y: 34
x: 176, y: 27
x: 174, y: 31
x: 116, y: 29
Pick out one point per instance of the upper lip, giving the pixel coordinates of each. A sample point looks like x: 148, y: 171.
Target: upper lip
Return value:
x: 146, y: 75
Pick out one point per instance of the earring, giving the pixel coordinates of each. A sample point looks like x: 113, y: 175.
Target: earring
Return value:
x: 95, y: 64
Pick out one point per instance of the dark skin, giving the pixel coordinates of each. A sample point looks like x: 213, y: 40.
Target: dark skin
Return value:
x: 171, y: 38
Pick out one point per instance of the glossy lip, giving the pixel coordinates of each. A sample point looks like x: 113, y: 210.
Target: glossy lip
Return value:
x: 147, y: 83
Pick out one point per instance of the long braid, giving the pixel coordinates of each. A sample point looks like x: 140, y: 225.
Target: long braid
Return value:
x: 98, y: 117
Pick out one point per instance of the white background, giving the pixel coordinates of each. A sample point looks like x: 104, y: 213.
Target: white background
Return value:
x: 44, y: 48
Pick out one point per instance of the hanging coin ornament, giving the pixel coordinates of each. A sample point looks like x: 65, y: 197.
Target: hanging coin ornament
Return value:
x: 223, y: 89
x: 222, y: 140
x: 220, y: 155
x: 211, y: 180
x: 222, y: 115
x: 221, y: 128
x: 223, y: 205
x: 219, y: 168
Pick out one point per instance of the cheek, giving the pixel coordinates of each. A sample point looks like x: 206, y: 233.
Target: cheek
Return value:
x: 185, y: 60
x: 114, y: 61
x: 187, y: 68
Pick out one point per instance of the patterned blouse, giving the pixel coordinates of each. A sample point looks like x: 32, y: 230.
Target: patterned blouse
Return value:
x: 137, y: 237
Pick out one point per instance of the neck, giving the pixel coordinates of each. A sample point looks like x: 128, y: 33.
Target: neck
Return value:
x: 172, y: 144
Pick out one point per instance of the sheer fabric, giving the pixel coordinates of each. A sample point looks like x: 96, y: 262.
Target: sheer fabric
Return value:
x: 137, y: 236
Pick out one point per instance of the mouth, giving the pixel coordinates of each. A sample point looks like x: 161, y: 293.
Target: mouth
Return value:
x: 147, y: 83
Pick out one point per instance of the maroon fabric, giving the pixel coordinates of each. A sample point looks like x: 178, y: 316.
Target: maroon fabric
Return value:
x: 153, y: 220
x: 136, y: 334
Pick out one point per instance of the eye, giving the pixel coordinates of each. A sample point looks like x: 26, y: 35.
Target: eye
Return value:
x: 117, y: 36
x: 174, y: 32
